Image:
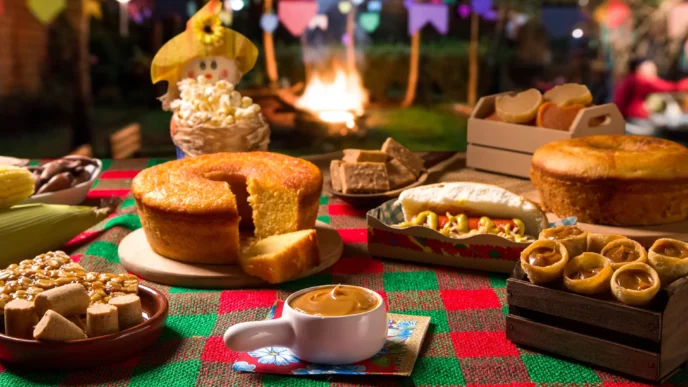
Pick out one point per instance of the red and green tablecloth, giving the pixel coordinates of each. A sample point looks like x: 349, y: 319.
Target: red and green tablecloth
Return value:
x: 465, y: 345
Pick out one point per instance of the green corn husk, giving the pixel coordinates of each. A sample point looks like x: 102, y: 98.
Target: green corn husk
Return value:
x: 32, y: 229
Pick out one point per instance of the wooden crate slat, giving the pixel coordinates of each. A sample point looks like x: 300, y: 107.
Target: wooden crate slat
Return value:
x: 588, y: 349
x: 675, y: 328
x: 637, y: 322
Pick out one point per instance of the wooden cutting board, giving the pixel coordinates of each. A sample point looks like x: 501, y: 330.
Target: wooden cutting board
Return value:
x: 645, y: 235
x: 136, y: 256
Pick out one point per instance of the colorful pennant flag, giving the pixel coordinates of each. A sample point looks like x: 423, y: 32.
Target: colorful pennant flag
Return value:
x: 617, y: 13
x: 345, y: 39
x: 269, y: 22
x: 490, y: 15
x: 481, y: 6
x: 369, y: 21
x: 421, y: 14
x: 318, y: 21
x: 344, y: 6
x: 295, y: 15
x: 46, y: 10
x: 464, y: 10
x: 374, y: 6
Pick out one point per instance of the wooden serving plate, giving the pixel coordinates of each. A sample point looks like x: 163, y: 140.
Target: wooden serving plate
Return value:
x: 136, y: 256
x: 645, y: 235
x: 647, y: 343
x: 372, y: 200
x: 98, y: 351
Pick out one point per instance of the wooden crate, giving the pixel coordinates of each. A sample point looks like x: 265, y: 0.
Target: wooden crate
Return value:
x: 507, y: 148
x: 646, y: 343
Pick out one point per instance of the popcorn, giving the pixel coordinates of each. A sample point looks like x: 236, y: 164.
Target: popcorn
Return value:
x: 214, y: 105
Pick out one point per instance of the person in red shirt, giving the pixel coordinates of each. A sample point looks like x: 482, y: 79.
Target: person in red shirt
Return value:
x: 641, y: 81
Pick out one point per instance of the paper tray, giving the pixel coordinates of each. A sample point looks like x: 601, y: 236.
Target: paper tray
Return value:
x: 420, y: 244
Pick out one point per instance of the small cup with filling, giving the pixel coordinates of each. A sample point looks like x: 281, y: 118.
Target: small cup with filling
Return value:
x: 624, y: 251
x: 635, y: 283
x: 588, y: 273
x: 597, y: 242
x: 669, y: 257
x: 544, y: 261
x: 573, y: 238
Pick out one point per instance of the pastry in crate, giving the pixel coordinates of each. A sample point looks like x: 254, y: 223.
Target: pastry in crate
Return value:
x: 607, y: 265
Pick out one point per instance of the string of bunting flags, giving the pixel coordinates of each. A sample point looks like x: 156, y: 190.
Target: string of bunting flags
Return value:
x: 299, y: 15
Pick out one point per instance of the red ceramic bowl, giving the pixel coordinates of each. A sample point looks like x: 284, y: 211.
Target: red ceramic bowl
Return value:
x: 97, y: 351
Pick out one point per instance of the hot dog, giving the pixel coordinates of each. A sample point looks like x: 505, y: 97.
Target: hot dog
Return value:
x: 461, y: 209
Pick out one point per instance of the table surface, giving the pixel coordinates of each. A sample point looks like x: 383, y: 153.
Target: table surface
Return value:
x: 465, y: 345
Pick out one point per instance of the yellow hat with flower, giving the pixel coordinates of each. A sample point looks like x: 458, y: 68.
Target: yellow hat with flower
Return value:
x: 204, y: 37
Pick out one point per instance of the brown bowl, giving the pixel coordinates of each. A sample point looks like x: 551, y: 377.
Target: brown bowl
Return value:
x: 97, y: 351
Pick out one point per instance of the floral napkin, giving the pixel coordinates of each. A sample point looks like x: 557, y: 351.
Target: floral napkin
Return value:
x: 570, y: 221
x: 404, y: 337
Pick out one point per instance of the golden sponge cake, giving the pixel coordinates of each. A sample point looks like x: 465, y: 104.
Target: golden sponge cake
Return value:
x: 280, y: 258
x: 191, y: 209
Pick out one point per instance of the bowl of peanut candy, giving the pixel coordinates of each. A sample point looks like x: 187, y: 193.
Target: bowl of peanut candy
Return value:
x: 56, y: 315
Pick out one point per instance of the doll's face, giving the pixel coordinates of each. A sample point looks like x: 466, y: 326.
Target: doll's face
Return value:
x: 213, y: 68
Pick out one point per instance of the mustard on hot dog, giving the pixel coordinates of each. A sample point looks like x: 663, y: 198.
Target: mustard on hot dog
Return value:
x: 462, y: 225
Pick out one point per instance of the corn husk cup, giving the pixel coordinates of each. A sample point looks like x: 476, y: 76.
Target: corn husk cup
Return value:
x: 243, y: 136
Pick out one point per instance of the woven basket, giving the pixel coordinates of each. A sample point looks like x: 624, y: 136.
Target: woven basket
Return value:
x: 243, y: 136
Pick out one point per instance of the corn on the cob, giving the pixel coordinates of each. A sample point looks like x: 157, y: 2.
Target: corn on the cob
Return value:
x: 31, y: 229
x: 16, y: 184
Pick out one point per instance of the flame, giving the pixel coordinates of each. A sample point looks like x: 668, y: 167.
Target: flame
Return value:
x: 339, y: 99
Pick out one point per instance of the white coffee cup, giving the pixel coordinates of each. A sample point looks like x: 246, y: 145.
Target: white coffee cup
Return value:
x: 333, y: 340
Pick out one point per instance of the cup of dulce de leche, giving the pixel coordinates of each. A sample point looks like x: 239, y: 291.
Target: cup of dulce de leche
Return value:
x: 330, y: 324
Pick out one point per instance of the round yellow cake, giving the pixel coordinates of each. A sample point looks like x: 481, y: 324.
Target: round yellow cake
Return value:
x: 614, y: 180
x: 191, y: 209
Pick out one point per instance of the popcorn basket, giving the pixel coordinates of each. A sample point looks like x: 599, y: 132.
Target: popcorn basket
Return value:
x: 242, y: 136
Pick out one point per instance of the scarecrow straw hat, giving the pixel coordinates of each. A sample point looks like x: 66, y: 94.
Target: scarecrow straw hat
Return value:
x: 204, y: 36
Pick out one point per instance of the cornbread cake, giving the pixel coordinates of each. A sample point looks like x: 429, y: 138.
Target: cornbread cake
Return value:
x: 614, y: 180
x: 363, y: 177
x: 404, y: 155
x: 191, y: 208
x: 280, y: 258
x: 360, y: 156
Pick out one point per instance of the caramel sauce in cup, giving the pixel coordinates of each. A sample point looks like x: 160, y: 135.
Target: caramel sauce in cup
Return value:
x: 336, y: 300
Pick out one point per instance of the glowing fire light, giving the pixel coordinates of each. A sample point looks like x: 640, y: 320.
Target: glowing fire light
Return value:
x: 339, y: 99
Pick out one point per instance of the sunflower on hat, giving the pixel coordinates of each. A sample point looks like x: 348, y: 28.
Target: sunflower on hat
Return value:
x: 205, y: 49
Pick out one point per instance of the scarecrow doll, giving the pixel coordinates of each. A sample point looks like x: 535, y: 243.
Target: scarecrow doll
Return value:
x: 202, y: 65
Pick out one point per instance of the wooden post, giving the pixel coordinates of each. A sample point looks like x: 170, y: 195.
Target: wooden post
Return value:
x: 413, y: 71
x: 473, y: 60
x: 81, y: 84
x: 350, y: 44
x: 269, y: 47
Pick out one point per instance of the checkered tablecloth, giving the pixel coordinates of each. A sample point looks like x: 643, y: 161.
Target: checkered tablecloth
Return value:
x: 465, y: 345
